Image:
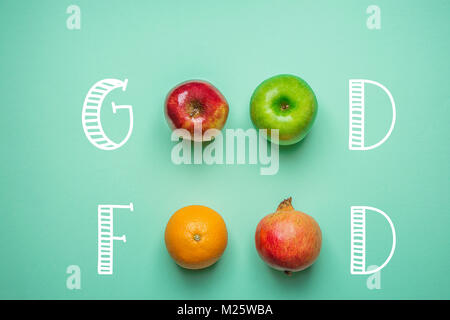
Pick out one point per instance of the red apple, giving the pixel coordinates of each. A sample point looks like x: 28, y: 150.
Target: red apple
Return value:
x: 194, y: 104
x: 288, y: 240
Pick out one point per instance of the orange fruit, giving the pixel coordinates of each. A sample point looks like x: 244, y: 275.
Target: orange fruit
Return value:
x: 196, y: 237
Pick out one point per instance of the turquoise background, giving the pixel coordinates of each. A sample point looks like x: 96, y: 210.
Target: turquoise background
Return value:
x: 52, y: 178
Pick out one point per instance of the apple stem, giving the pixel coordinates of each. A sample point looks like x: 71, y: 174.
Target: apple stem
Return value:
x: 285, y: 205
x: 195, y: 108
x: 289, y: 273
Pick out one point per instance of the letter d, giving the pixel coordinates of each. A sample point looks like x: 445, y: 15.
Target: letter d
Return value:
x: 358, y: 240
x: 356, y: 103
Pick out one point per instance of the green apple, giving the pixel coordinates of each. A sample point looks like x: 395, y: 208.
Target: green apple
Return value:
x: 287, y: 103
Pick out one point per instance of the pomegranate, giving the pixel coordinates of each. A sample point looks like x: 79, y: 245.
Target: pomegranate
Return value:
x: 288, y: 240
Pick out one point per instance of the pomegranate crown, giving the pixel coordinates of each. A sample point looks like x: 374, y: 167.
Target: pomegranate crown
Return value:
x: 286, y: 204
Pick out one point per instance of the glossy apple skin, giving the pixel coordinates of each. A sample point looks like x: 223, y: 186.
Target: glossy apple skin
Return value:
x: 287, y: 103
x: 288, y: 242
x: 196, y: 102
